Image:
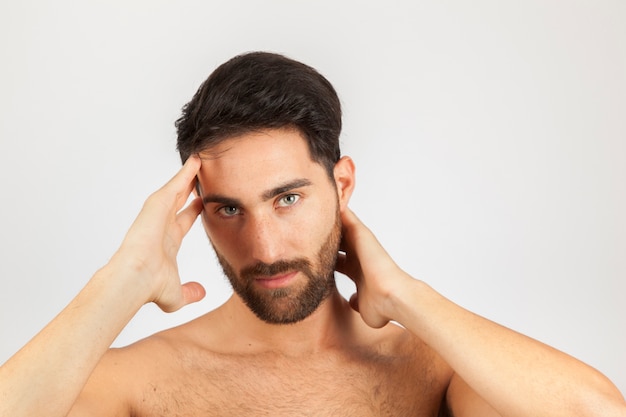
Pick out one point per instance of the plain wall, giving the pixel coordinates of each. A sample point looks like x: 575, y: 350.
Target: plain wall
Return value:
x: 489, y: 139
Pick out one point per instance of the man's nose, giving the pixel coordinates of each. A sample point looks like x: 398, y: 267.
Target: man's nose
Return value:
x: 264, y: 239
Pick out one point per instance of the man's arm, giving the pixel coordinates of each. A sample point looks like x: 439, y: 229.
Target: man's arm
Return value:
x: 47, y: 375
x: 514, y: 374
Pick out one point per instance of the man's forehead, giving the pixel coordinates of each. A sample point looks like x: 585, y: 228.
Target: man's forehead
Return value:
x: 266, y: 147
x: 257, y: 161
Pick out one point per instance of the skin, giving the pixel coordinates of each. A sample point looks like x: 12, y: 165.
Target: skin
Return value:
x: 343, y: 359
x: 256, y: 223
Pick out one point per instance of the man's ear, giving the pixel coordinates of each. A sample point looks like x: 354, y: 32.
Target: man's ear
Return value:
x: 344, y: 173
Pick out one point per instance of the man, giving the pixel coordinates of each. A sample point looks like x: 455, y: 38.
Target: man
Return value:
x: 259, y: 142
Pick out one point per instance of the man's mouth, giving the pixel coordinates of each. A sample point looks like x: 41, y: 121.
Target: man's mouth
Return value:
x: 276, y: 281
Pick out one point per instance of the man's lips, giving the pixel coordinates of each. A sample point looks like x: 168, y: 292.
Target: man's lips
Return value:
x: 276, y: 281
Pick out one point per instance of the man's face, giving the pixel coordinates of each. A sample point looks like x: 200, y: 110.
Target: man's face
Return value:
x: 272, y: 215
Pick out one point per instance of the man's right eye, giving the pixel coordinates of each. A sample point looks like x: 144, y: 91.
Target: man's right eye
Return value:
x: 228, y: 211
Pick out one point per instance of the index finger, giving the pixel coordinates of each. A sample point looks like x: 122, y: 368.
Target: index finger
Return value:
x: 348, y: 222
x: 180, y: 185
x: 185, y: 176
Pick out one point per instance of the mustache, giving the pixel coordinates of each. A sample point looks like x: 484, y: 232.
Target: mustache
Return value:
x: 278, y: 267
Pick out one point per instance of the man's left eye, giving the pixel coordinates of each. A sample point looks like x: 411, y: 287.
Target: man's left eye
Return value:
x: 288, y: 200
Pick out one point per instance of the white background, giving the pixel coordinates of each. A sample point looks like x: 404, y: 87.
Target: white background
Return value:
x: 489, y: 138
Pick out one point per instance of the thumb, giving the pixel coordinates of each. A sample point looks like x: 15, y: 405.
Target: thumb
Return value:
x: 192, y: 292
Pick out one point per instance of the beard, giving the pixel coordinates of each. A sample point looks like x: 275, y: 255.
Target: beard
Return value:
x: 298, y: 301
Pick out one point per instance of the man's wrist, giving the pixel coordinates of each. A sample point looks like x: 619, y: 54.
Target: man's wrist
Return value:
x: 409, y: 300
x: 128, y: 275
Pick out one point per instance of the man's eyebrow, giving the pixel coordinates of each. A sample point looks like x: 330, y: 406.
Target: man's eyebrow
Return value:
x: 266, y: 195
x: 225, y: 201
x: 283, y: 188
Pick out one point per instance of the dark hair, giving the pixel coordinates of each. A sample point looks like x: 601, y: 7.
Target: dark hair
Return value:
x: 261, y: 90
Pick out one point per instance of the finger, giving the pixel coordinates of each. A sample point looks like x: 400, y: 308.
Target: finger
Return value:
x: 357, y: 239
x: 348, y: 223
x: 183, y: 196
x: 184, y: 181
x: 354, y: 302
x: 185, y: 175
x: 188, y: 216
x: 348, y: 218
x: 343, y: 243
x: 172, y: 196
x: 341, y: 265
x: 192, y: 292
x: 181, y: 184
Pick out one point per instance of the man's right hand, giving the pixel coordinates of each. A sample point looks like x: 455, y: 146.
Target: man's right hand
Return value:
x: 48, y: 374
x: 152, y: 243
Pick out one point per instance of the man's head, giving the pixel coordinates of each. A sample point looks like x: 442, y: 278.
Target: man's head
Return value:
x: 258, y: 91
x: 272, y: 180
x: 273, y: 216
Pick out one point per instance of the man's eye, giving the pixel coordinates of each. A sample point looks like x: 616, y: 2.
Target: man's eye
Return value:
x: 228, y: 211
x: 288, y: 200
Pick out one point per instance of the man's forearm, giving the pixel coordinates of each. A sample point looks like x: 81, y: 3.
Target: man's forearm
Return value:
x: 515, y: 374
x: 46, y: 376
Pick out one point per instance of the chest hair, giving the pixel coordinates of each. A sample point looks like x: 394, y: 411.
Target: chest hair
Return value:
x: 330, y: 384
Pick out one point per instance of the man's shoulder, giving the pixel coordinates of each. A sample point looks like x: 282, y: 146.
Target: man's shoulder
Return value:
x: 198, y: 334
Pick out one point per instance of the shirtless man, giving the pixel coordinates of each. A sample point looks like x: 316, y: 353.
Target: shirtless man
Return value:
x: 260, y: 145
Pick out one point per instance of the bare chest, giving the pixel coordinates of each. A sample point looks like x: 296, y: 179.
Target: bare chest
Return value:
x: 277, y: 386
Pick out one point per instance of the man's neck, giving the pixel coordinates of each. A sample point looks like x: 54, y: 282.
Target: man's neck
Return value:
x: 331, y: 324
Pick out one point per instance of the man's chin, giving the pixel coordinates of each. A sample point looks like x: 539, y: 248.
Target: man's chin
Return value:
x: 278, y: 314
x: 282, y: 307
x: 283, y: 319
